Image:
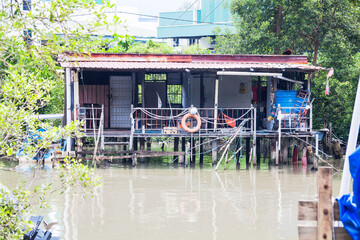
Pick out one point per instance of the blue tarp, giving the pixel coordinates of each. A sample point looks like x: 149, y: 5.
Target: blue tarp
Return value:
x: 349, y: 204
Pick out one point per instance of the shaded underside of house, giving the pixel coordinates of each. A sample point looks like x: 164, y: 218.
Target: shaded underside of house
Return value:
x: 147, y: 95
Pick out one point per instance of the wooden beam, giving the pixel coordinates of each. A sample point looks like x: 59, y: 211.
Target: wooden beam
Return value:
x: 307, y: 210
x: 310, y: 233
x: 324, y: 183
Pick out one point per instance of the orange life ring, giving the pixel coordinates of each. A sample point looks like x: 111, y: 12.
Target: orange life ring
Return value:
x: 186, y: 127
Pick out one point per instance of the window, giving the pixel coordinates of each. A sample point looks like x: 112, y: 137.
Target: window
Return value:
x: 192, y: 41
x: 139, y: 94
x: 174, y: 93
x: 26, y: 5
x: 155, y: 77
x: 175, y: 42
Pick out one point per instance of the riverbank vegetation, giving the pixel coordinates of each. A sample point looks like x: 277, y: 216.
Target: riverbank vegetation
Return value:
x: 327, y: 31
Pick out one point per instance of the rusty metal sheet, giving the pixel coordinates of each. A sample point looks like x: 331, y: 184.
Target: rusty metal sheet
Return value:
x: 191, y: 65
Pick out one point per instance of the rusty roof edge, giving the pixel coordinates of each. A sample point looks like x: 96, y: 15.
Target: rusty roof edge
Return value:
x: 136, y: 57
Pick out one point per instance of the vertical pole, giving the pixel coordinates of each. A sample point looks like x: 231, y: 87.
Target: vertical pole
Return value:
x: 193, y: 152
x: 277, y: 154
x: 279, y: 135
x: 258, y: 151
x: 102, y: 122
x: 124, y: 141
x: 216, y: 103
x: 183, y: 144
x: 254, y: 138
x: 214, y: 144
x: 76, y: 95
x: 132, y: 130
x: 201, y: 150
x: 317, y: 144
x: 238, y: 144
x: 311, y: 117
x: 353, y: 136
x: 324, y: 211
x: 68, y: 106
x: 135, y: 146
x: 247, y: 152
x: 176, y: 149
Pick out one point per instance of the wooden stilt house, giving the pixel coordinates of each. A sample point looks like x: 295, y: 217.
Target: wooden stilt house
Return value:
x: 148, y: 95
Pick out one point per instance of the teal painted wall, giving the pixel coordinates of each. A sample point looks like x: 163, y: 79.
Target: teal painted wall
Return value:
x: 170, y: 29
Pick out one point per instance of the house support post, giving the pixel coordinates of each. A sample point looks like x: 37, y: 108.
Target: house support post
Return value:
x: 247, y: 152
x: 238, y: 145
x: 258, y: 143
x: 254, y: 138
x: 201, y: 150
x: 279, y: 135
x: 192, y: 151
x: 216, y: 103
x: 68, y: 105
x: 102, y: 140
x: 176, y: 149
x: 214, y: 146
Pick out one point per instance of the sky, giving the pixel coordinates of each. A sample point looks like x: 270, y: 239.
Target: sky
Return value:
x: 153, y: 7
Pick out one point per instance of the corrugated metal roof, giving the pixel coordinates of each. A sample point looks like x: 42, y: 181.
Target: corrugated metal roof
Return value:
x: 191, y: 65
x: 125, y: 61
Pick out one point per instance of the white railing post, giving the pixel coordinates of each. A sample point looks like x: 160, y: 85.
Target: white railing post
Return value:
x: 311, y: 117
x: 131, y: 139
x: 279, y: 128
x: 254, y: 139
x: 216, y: 103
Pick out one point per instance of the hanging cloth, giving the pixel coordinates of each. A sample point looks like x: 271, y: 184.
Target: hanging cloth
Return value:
x: 229, y: 121
x: 328, y: 75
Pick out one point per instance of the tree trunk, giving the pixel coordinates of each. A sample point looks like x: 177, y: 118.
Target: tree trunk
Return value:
x: 277, y: 29
x: 316, y: 51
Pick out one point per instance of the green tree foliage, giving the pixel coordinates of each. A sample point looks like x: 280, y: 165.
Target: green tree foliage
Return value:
x: 328, y: 31
x: 150, y: 47
x: 31, y: 81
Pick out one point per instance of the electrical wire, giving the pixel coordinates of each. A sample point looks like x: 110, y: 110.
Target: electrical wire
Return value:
x: 158, y: 17
x: 212, y: 11
x: 183, y: 12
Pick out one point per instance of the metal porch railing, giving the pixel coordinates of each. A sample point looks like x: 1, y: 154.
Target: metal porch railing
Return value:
x: 168, y: 121
x: 295, y: 118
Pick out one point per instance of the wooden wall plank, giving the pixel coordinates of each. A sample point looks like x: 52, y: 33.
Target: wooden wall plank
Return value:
x: 309, y: 233
x: 307, y: 210
x: 336, y: 211
x: 324, y: 184
x: 341, y: 234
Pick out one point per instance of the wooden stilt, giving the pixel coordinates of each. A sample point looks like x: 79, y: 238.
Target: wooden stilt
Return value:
x: 193, y: 152
x: 214, y: 145
x: 201, y: 153
x: 124, y: 139
x: 258, y: 151
x: 183, y: 144
x: 148, y: 148
x: 247, y: 152
x: 135, y: 144
x: 238, y: 144
x: 176, y: 149
x: 134, y: 159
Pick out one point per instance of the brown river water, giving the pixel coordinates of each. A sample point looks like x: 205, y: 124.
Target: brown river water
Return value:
x: 182, y: 203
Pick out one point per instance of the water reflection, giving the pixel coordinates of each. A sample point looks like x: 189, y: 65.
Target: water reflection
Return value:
x: 185, y: 203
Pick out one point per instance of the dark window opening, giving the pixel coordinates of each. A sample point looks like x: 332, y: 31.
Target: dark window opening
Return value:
x: 174, y: 93
x: 155, y: 77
